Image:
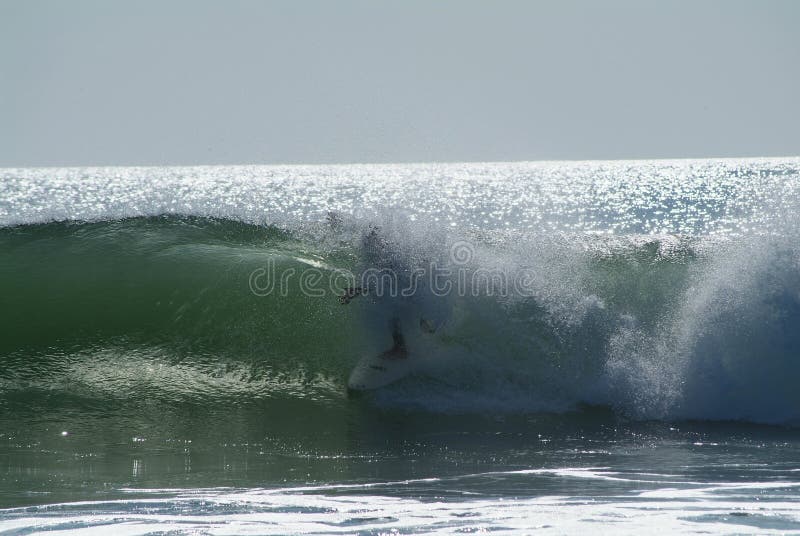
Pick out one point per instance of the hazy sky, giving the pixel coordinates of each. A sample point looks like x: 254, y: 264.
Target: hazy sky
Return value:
x: 194, y: 82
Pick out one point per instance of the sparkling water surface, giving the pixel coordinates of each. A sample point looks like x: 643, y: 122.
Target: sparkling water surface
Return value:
x: 142, y: 390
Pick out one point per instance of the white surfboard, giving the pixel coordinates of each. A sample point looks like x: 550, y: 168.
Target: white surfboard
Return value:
x: 372, y: 372
x: 419, y: 342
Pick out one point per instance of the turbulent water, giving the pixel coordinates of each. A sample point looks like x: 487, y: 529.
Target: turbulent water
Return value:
x: 605, y: 346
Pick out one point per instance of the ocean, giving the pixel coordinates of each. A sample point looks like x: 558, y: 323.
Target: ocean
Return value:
x: 605, y: 346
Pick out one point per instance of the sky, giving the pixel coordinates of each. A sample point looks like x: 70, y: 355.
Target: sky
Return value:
x: 107, y: 82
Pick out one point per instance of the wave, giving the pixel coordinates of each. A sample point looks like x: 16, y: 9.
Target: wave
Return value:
x: 164, y: 308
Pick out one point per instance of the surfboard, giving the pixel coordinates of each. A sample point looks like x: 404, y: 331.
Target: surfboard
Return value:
x: 375, y: 371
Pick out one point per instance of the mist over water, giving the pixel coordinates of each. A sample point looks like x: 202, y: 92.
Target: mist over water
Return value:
x: 594, y: 310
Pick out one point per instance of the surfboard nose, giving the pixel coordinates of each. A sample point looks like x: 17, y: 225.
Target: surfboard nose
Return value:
x: 375, y: 371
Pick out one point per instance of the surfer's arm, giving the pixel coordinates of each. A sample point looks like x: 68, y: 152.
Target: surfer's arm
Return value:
x: 427, y: 326
x: 351, y: 293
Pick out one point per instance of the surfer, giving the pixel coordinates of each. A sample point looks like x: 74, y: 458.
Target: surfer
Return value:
x: 380, y: 255
x: 398, y: 349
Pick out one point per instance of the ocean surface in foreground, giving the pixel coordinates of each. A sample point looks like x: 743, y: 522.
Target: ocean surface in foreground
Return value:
x: 609, y: 347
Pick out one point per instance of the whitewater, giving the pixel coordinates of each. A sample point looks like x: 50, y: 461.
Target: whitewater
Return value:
x: 607, y: 346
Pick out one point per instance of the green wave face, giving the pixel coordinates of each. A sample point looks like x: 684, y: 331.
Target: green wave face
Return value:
x: 163, y: 307
x: 181, y: 310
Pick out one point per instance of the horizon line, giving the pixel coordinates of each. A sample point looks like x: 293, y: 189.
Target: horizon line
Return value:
x: 412, y: 163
